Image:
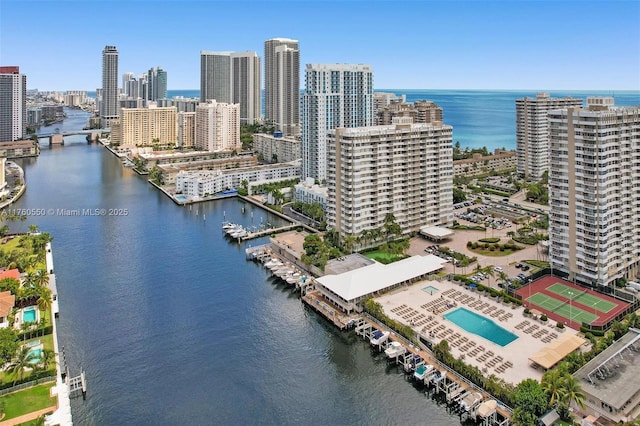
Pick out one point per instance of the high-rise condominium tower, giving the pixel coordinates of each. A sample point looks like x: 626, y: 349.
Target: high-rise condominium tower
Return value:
x: 336, y: 95
x: 217, y: 126
x: 215, y: 76
x: 109, y: 107
x: 404, y: 169
x: 245, y: 80
x: 593, y: 190
x: 532, y: 132
x: 156, y: 84
x: 13, y: 104
x: 282, y: 84
x: 127, y: 77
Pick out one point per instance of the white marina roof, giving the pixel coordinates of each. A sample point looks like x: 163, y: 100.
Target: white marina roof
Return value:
x: 375, y: 277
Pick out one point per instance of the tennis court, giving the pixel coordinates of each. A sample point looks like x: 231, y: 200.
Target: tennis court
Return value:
x: 583, y: 297
x: 564, y: 309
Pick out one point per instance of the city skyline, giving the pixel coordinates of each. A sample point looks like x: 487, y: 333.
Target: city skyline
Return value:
x: 478, y: 45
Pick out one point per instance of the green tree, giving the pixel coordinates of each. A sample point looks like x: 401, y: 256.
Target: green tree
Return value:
x: 553, y: 385
x: 10, y: 284
x: 8, y: 344
x: 523, y: 417
x: 530, y: 396
x: 47, y: 356
x: 459, y: 195
x: 23, y: 358
x: 573, y: 391
x: 33, y: 229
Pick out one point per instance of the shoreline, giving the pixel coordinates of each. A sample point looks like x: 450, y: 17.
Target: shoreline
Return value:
x: 22, y: 189
x: 62, y: 415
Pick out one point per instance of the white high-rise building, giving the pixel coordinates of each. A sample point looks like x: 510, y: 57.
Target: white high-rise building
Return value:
x: 126, y: 78
x: 218, y: 126
x: 532, y: 132
x: 405, y: 169
x: 109, y: 107
x: 336, y: 95
x: 245, y: 79
x: 593, y: 190
x: 215, y: 76
x: 13, y: 104
x: 282, y: 84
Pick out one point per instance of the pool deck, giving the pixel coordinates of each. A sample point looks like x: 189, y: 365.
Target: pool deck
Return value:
x: 424, y: 313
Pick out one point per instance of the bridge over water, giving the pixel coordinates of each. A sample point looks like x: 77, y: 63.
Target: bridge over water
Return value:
x: 58, y: 137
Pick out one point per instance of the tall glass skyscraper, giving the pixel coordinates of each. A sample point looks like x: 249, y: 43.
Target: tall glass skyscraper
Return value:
x: 282, y: 84
x: 336, y: 95
x: 109, y: 105
x: 13, y: 104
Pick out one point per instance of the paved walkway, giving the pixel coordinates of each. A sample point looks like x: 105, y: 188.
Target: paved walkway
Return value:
x: 28, y: 417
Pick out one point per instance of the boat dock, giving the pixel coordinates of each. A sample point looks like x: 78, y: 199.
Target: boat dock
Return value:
x: 262, y: 233
x: 467, y: 398
x: 292, y: 274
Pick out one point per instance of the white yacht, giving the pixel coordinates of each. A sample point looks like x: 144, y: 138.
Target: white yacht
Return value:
x: 394, y: 350
x: 379, y: 337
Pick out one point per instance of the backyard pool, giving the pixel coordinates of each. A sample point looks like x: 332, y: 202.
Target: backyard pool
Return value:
x: 37, y: 354
x: 29, y: 314
x: 481, y: 326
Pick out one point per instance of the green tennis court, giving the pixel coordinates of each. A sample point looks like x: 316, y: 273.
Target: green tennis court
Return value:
x: 582, y: 297
x: 564, y: 309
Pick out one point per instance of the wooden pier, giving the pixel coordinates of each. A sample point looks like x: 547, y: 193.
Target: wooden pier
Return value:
x: 262, y: 233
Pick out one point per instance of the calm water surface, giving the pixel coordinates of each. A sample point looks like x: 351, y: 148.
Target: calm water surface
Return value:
x: 174, y: 327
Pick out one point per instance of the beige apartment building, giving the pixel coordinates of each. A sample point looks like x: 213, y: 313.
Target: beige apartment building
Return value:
x: 147, y: 126
x: 186, y: 129
x: 532, y: 132
x: 478, y: 164
x: 404, y: 168
x: 593, y: 192
x: 419, y: 112
x: 276, y: 148
x: 218, y: 126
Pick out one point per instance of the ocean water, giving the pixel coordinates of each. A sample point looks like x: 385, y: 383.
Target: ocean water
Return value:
x: 481, y: 117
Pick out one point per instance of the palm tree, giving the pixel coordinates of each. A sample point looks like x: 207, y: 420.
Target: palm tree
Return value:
x: 348, y: 243
x: 44, y: 301
x: 23, y: 358
x: 573, y: 391
x: 33, y: 229
x: 490, y: 272
x: 41, y: 278
x: 47, y: 356
x: 553, y: 382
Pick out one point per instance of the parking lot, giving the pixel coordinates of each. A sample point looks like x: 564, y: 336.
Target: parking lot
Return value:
x: 458, y: 243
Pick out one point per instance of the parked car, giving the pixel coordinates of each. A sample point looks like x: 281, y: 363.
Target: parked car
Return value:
x: 498, y: 269
x: 518, y: 265
x: 525, y: 267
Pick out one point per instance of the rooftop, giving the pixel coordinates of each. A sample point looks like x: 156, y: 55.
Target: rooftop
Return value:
x: 375, y: 277
x: 555, y: 351
x: 614, y: 375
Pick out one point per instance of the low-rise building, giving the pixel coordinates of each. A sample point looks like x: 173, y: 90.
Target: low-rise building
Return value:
x: 478, y: 164
x: 276, y: 148
x: 309, y: 192
x: 348, y: 289
x: 611, y: 381
x: 199, y: 184
x: 7, y: 302
x: 171, y: 170
x: 18, y: 149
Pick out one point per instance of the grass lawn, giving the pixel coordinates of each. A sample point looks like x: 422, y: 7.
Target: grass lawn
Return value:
x: 11, y: 245
x: 28, y: 400
x: 383, y: 257
x: 47, y: 343
x: 495, y: 253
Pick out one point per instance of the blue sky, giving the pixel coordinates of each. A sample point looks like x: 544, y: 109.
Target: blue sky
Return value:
x: 410, y: 44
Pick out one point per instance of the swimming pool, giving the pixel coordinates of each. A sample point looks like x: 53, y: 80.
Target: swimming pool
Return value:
x: 481, y: 326
x: 430, y: 289
x: 37, y: 354
x: 29, y: 315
